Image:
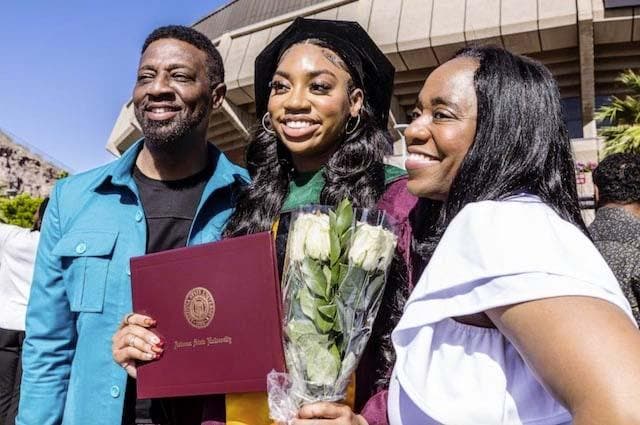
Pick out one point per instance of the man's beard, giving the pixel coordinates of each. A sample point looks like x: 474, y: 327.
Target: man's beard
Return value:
x: 166, y: 134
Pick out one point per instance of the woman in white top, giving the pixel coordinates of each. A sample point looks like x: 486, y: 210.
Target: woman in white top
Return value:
x: 517, y: 319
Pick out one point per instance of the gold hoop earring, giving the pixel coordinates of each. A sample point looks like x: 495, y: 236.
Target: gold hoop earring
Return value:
x: 268, y: 128
x: 355, y: 127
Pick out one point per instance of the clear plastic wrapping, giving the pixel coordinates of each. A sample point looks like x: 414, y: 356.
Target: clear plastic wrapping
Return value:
x: 334, y: 276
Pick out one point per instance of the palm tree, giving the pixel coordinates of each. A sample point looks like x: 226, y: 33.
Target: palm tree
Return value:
x: 623, y: 115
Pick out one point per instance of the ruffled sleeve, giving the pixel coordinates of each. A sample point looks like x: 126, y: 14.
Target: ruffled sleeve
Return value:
x: 500, y: 253
x: 492, y: 254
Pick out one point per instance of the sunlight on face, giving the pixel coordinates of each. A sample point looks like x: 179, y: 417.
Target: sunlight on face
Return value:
x: 310, y: 104
x: 443, y: 128
x: 172, y: 95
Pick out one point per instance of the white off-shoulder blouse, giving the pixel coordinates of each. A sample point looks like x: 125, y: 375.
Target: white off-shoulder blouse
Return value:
x: 492, y: 254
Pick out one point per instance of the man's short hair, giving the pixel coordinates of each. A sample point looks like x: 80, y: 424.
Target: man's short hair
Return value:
x: 618, y: 179
x: 215, y: 68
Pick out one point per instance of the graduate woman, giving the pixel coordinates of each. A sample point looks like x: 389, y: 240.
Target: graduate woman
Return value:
x: 323, y: 91
x: 517, y: 318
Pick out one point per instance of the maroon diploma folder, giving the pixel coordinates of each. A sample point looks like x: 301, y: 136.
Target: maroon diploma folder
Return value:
x: 218, y: 309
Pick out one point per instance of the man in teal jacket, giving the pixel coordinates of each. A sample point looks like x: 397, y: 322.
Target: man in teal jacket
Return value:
x: 170, y: 189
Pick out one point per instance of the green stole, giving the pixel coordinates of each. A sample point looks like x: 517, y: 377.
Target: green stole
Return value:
x: 305, y: 188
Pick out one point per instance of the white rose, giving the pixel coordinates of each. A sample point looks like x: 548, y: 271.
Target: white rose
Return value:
x: 318, y: 243
x: 372, y: 247
x: 297, y: 238
x: 310, y: 237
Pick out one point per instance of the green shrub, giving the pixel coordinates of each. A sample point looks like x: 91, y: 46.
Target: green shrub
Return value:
x: 19, y: 210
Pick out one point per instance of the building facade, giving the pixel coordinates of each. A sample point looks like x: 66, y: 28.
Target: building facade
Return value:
x: 585, y: 44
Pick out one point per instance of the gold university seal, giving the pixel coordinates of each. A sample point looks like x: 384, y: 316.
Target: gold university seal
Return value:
x: 199, y: 307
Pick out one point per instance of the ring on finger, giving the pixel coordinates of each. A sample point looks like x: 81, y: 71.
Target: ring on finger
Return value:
x: 124, y: 365
x: 132, y: 340
x: 125, y: 321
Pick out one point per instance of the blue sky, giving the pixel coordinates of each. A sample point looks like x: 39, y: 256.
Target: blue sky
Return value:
x: 68, y: 66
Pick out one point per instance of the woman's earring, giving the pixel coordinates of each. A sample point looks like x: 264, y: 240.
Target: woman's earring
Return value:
x: 355, y: 127
x: 266, y: 123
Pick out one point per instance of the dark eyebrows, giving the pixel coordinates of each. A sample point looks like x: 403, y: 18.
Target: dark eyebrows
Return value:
x: 442, y: 101
x: 312, y: 74
x: 170, y: 67
x: 282, y: 74
x: 319, y: 72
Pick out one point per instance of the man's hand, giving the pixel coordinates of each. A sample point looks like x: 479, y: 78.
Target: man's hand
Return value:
x: 135, y: 342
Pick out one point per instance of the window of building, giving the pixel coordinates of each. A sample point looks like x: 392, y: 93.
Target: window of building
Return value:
x: 602, y: 100
x: 573, y: 116
x: 610, y: 4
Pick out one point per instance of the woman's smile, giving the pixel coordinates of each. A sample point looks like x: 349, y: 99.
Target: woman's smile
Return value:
x: 310, y: 103
x: 417, y: 160
x: 299, y: 128
x: 442, y: 130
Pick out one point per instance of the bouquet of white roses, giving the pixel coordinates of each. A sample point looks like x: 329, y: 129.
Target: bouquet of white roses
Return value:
x: 333, y: 280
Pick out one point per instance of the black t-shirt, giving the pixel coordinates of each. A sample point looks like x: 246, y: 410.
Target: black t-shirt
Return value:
x: 169, y: 208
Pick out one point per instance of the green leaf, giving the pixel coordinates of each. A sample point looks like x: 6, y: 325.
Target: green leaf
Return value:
x: 298, y: 328
x: 334, y: 253
x: 349, y: 296
x: 326, y: 272
x: 622, y: 139
x: 350, y: 284
x: 307, y: 303
x: 332, y: 219
x: 329, y: 287
x: 337, y: 322
x: 328, y: 311
x: 621, y: 118
x: 344, y: 217
x: 345, y: 239
x: 335, y: 353
x: 345, y: 242
x: 343, y: 271
x: 322, y: 365
x: 313, y: 276
x: 335, y: 276
x: 307, y: 340
x: 323, y: 324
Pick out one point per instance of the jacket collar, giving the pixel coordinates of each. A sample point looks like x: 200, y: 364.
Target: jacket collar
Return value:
x: 225, y: 173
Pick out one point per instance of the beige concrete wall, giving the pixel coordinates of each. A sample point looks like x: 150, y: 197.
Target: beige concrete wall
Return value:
x: 417, y: 35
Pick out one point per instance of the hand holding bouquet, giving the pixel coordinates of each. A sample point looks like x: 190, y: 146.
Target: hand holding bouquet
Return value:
x: 334, y: 278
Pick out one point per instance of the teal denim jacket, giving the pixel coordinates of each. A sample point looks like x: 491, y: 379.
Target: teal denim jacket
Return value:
x: 81, y: 288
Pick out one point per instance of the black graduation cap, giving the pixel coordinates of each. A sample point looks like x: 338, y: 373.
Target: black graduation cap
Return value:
x: 369, y: 67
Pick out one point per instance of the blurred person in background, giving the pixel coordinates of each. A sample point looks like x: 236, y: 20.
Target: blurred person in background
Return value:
x: 17, y: 254
x: 616, y: 228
